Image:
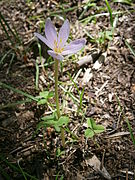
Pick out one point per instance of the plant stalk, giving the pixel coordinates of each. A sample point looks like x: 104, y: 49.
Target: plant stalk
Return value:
x: 57, y: 99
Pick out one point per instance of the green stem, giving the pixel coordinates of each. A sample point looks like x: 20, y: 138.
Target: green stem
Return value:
x: 57, y: 99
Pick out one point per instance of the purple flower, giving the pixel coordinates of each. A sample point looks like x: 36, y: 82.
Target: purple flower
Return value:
x: 58, y: 42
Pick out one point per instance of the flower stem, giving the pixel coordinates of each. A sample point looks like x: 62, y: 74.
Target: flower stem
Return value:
x: 57, y: 99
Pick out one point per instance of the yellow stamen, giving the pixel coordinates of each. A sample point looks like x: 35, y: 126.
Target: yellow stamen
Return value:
x: 60, y: 40
x: 58, y: 49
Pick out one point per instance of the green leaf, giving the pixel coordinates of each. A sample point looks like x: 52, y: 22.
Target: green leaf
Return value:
x: 63, y: 120
x: 48, y: 124
x: 94, y: 127
x: 42, y: 101
x: 40, y: 125
x: 89, y: 133
x: 52, y: 121
x: 110, y: 12
x: 97, y: 128
x: 59, y: 152
x: 44, y: 94
x: 57, y: 128
x: 109, y: 35
x: 50, y: 117
x: 51, y: 94
x: 89, y: 123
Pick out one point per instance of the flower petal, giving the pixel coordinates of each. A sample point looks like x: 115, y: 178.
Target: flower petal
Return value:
x: 55, y: 55
x: 63, y: 33
x: 50, y: 31
x: 43, y: 39
x: 74, y: 46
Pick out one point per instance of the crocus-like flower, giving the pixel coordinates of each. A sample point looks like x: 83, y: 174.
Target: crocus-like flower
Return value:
x: 58, y: 42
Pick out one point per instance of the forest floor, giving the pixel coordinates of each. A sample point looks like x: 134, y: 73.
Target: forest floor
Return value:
x: 108, y: 80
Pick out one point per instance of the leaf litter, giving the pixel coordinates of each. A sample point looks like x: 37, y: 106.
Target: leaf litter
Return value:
x: 111, y: 154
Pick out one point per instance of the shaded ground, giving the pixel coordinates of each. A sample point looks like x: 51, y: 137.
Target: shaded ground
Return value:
x: 109, y: 84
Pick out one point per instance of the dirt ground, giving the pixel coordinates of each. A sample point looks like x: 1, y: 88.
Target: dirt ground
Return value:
x: 109, y: 96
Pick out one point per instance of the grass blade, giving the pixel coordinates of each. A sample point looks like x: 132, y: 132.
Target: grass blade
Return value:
x: 11, y: 61
x: 81, y: 99
x: 15, y: 168
x: 5, y: 175
x: 22, y: 171
x: 89, y: 18
x: 15, y: 35
x: 18, y: 91
x: 74, y: 83
x: 4, y: 57
x: 6, y: 32
x: 9, y: 105
x: 131, y: 132
x: 131, y: 49
x: 110, y: 12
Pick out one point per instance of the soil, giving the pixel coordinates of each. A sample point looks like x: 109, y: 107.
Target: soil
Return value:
x: 109, y: 95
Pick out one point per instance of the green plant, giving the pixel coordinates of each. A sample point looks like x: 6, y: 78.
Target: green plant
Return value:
x: 57, y: 44
x: 93, y: 128
x: 59, y: 152
x: 104, y: 37
x: 53, y: 121
x: 44, y: 97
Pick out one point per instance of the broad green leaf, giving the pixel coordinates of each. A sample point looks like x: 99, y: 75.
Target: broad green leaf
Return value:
x: 44, y: 94
x: 99, y: 129
x: 89, y: 133
x: 89, y: 123
x: 57, y: 128
x: 50, y: 117
x: 51, y: 94
x: 40, y: 125
x: 93, y: 124
x: 96, y: 128
x: 50, y: 123
x: 42, y: 101
x: 63, y: 120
